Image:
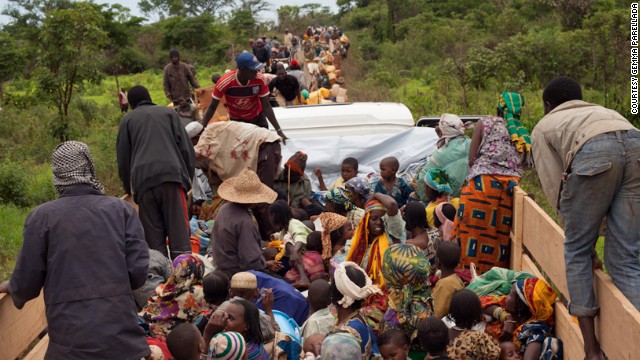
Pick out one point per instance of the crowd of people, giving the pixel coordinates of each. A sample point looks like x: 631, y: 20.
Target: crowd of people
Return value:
x: 263, y: 267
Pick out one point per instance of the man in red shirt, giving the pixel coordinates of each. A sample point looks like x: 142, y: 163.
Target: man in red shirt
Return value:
x: 247, y: 95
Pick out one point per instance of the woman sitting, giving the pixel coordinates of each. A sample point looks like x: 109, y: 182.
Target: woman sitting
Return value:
x: 350, y: 285
x: 525, y: 316
x: 179, y: 300
x: 336, y: 231
x: 420, y: 234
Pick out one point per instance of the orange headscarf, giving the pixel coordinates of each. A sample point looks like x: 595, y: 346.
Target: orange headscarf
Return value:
x: 330, y: 223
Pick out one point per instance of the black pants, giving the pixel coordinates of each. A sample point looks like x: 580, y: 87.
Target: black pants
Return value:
x: 164, y: 213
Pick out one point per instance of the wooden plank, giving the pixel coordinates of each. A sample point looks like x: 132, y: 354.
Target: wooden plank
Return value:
x: 517, y: 229
x: 529, y: 266
x: 618, y: 324
x: 38, y: 352
x: 18, y: 328
x: 568, y: 331
x: 544, y: 240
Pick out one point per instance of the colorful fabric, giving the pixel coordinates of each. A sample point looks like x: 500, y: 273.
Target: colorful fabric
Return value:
x: 483, y: 222
x: 340, y: 346
x: 330, y: 223
x: 360, y: 185
x: 510, y: 107
x: 400, y: 192
x: 497, y: 155
x: 539, y: 297
x: 406, y: 272
x: 243, y: 101
x: 431, y: 207
x: 349, y: 290
x: 453, y: 158
x: 72, y: 164
x: 374, y: 204
x: 227, y: 345
x: 356, y: 325
x: 256, y: 351
x: 369, y: 255
x: 180, y: 299
x: 497, y: 281
x: 451, y: 127
x: 446, y: 225
x: 438, y: 180
x: 337, y: 196
x: 474, y: 345
x: 355, y: 216
x: 313, y: 265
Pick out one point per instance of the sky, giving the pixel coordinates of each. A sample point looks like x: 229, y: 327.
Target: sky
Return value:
x: 270, y: 15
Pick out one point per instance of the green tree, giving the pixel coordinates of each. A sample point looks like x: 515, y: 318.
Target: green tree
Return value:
x: 243, y: 24
x: 12, y: 59
x: 67, y: 59
x: 168, y: 8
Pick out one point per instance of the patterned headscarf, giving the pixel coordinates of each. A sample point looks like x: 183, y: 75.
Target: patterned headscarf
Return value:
x: 340, y: 346
x: 71, y: 164
x: 538, y: 296
x: 510, y: 107
x: 436, y: 179
x: 360, y: 185
x: 330, y: 223
x: 228, y: 345
x: 451, y: 127
x: 406, y: 271
x: 178, y: 300
x: 338, y: 197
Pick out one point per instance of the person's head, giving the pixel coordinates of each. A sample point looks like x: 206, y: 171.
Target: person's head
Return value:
x: 248, y: 66
x: 244, y: 318
x: 509, y: 351
x: 433, y: 335
x: 294, y: 41
x: 448, y: 255
x: 388, y: 168
x: 349, y: 168
x: 350, y: 285
x: 246, y: 189
x: 245, y: 285
x: 340, y: 346
x: 319, y: 294
x: 415, y: 216
x: 228, y: 345
x: 340, y: 236
x: 270, y: 253
x: 357, y: 190
x: 531, y: 299
x: 336, y: 230
x: 437, y: 183
x: 443, y: 219
x: 72, y: 164
x: 314, y: 241
x: 215, y: 287
x: 375, y: 211
x: 465, y: 309
x: 560, y: 90
x: 137, y: 95
x: 260, y: 43
x: 122, y: 89
x: 295, y: 166
x: 188, y: 271
x: 394, y: 345
x: 280, y: 214
x: 280, y: 71
x: 309, y: 224
x: 174, y: 56
x: 215, y: 78
x: 252, y: 42
x: 185, y: 342
x: 274, y: 53
x: 294, y: 65
x: 337, y: 201
x: 313, y: 344
x: 286, y: 31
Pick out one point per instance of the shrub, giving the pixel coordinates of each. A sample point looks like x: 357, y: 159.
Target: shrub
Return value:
x: 13, y: 184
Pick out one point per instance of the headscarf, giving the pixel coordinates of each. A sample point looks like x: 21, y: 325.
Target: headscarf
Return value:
x: 256, y: 351
x: 510, y: 107
x: 297, y: 163
x: 406, y: 271
x: 496, y: 282
x: 228, y: 345
x: 360, y: 245
x: 538, y: 296
x: 451, y: 127
x: 340, y: 346
x: 360, y: 185
x: 437, y: 179
x: 180, y: 299
x: 446, y: 225
x: 72, y: 164
x: 338, y: 197
x: 349, y: 290
x: 330, y: 223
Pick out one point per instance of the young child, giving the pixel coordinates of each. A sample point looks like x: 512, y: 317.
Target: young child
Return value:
x: 445, y: 214
x: 215, y: 287
x: 394, y: 345
x: 228, y: 345
x: 348, y: 171
x: 447, y: 259
x: 434, y: 338
x: 391, y: 185
x: 320, y: 319
x: 509, y: 351
x: 312, y: 346
x: 186, y: 343
x: 312, y: 262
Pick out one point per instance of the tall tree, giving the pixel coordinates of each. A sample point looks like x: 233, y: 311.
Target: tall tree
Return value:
x: 67, y: 59
x: 168, y: 8
x: 12, y: 58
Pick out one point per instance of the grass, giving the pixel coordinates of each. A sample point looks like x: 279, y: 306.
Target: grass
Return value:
x: 13, y: 218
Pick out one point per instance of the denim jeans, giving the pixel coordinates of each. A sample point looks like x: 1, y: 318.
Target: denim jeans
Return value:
x: 604, y: 182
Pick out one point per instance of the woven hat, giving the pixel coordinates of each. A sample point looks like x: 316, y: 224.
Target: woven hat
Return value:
x: 228, y: 345
x: 246, y: 188
x: 244, y: 280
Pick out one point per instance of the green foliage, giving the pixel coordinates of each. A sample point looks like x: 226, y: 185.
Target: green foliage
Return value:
x: 11, y: 226
x: 13, y: 179
x: 168, y: 8
x: 242, y: 24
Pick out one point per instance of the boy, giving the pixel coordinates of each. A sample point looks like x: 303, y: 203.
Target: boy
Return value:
x: 389, y: 184
x: 434, y: 338
x: 447, y: 259
x: 394, y: 345
x: 186, y: 343
x: 321, y: 320
x: 348, y: 171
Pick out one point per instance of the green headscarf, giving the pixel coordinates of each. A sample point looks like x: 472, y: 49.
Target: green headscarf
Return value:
x: 510, y: 107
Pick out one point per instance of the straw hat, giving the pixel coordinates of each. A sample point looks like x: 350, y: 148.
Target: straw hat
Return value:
x: 246, y: 188
x: 244, y: 280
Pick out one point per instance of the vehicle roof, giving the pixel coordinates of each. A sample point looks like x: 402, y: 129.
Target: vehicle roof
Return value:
x: 343, y: 119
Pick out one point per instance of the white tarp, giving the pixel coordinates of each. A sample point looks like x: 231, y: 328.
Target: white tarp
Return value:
x: 412, y: 147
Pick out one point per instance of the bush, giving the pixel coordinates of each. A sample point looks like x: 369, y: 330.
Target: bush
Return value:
x: 13, y: 184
